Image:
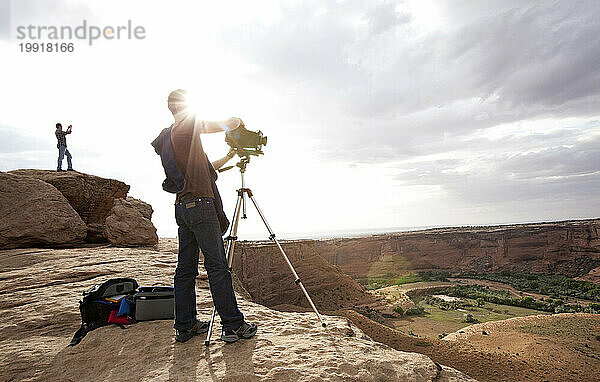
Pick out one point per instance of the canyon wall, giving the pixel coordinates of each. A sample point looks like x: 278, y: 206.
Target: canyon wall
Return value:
x: 570, y: 248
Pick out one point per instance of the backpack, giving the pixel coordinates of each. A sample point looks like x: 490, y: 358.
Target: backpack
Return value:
x: 98, y: 302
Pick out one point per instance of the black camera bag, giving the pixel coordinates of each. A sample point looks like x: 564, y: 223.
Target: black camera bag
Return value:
x: 95, y: 307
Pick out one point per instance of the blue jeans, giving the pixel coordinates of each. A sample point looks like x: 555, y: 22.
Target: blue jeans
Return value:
x: 62, y: 151
x: 199, y: 229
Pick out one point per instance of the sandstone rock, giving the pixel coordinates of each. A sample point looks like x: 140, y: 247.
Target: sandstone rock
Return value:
x: 126, y: 226
x: 35, y: 213
x: 91, y: 196
x: 144, y: 208
x: 40, y: 315
x: 288, y: 347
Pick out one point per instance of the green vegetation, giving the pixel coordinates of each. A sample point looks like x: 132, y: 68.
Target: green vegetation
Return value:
x: 554, y: 286
x: 436, y: 320
x: 422, y: 277
x: 377, y: 282
x: 399, y: 310
x: 480, y: 302
x: 408, y: 279
x: 414, y: 311
x: 392, y: 279
x: 504, y: 298
x: 447, y: 305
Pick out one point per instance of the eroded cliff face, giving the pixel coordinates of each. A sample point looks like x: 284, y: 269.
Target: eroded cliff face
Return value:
x: 569, y: 248
x: 265, y: 275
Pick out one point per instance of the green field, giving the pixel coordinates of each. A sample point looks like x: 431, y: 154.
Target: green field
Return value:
x: 393, y: 279
x: 504, y: 298
x: 436, y: 322
x: 434, y: 318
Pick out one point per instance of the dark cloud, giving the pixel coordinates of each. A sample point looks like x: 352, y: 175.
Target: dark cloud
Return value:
x: 544, y: 55
x: 489, y: 63
x: 555, y: 162
x: 569, y: 171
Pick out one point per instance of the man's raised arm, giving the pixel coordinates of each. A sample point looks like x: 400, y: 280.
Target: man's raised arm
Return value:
x: 207, y: 127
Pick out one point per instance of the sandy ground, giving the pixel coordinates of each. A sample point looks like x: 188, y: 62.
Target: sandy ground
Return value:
x: 39, y: 290
x: 561, y: 344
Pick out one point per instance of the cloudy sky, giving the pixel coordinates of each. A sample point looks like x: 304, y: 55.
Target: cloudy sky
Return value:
x: 379, y: 114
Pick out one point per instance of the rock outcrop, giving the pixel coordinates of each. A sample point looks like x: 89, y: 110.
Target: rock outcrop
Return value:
x: 127, y: 226
x: 266, y: 276
x: 35, y: 213
x: 91, y: 196
x: 101, y: 204
x: 39, y: 316
x: 570, y: 248
x: 143, y: 208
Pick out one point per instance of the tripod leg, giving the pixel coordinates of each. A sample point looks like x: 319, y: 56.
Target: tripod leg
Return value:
x: 297, y: 278
x: 230, y: 247
x: 243, y: 196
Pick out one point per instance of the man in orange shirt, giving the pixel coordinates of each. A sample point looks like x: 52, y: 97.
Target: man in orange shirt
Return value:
x: 199, y: 229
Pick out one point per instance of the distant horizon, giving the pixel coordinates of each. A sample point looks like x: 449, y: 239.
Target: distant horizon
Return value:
x: 356, y: 233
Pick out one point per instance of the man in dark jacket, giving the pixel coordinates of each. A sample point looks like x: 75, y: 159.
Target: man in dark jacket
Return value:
x: 198, y: 221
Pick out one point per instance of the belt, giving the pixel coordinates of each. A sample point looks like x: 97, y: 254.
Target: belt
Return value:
x: 191, y: 199
x: 187, y: 197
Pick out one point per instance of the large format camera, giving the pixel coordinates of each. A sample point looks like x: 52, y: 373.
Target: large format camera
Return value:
x: 246, y: 142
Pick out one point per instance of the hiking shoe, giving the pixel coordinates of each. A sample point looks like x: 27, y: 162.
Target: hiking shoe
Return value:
x: 198, y: 328
x: 70, y: 169
x: 245, y: 331
x: 60, y: 170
